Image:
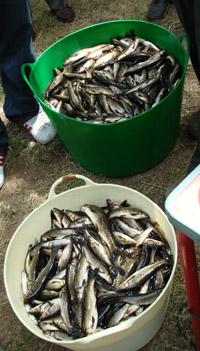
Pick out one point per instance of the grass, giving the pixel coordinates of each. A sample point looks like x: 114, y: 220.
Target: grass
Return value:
x: 24, y: 341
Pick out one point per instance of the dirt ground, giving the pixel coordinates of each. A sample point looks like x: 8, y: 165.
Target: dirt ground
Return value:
x: 31, y: 169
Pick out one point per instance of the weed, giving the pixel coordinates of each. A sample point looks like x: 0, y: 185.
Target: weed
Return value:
x: 17, y: 146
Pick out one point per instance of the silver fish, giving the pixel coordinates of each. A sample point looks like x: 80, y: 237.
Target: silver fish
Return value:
x: 118, y: 316
x: 55, y: 243
x: 97, y: 265
x: 141, y: 275
x: 98, y: 248
x: 155, y: 57
x: 129, y: 50
x: 65, y: 310
x: 141, y: 299
x: 97, y: 89
x: 54, y: 284
x: 41, y: 278
x: 31, y: 264
x: 81, y: 278
x: 123, y: 239
x: 57, y: 233
x: 79, y: 54
x: 90, y: 315
x: 66, y: 254
x: 52, y: 309
x: 106, y: 59
x: 97, y: 216
x: 128, y: 212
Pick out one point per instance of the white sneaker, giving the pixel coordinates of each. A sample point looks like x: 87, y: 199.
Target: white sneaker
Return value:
x: 41, y: 128
x: 2, y: 177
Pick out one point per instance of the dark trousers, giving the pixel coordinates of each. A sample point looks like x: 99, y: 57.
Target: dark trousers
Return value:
x: 189, y: 15
x: 56, y: 4
x: 15, y: 49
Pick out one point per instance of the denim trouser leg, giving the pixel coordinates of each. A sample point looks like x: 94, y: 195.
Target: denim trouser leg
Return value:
x: 15, y: 49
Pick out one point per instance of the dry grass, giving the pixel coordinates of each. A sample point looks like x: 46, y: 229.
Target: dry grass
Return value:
x: 31, y: 169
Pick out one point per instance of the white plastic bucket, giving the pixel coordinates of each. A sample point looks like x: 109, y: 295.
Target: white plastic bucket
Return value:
x: 129, y: 335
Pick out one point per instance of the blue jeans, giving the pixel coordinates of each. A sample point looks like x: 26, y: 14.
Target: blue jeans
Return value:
x: 16, y: 48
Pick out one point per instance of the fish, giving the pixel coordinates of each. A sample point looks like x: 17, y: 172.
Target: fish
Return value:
x: 98, y: 218
x: 56, y: 82
x: 65, y: 311
x: 128, y: 212
x: 118, y: 316
x: 90, y: 315
x: 138, y: 277
x: 97, y: 265
x: 112, y: 82
x: 109, y: 263
x: 138, y: 66
x: 81, y: 278
x: 128, y: 50
x: 141, y: 299
x: 47, y: 326
x: 98, y: 248
x: 106, y: 59
x: 54, y: 284
x: 56, y: 243
x: 123, y: 239
x: 52, y: 309
x: 65, y: 257
x: 79, y: 54
x: 41, y: 278
x: 58, y: 233
x: 31, y: 264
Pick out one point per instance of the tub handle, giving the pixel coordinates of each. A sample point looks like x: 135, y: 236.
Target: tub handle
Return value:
x: 23, y: 71
x: 52, y: 193
x: 187, y: 50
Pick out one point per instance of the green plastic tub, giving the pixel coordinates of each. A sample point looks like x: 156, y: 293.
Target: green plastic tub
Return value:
x: 124, y: 148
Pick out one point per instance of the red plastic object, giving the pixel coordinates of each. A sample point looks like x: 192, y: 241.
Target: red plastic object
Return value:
x: 183, y: 209
x: 188, y: 262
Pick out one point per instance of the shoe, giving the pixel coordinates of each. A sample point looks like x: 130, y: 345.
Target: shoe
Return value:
x: 2, y: 176
x: 158, y: 9
x: 193, y: 126
x: 41, y: 128
x: 64, y: 15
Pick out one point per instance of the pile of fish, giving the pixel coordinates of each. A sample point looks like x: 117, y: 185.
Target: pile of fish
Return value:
x: 94, y: 268
x: 113, y: 82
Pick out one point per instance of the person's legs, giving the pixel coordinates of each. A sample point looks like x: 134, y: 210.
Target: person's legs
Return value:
x: 61, y: 9
x: 195, y: 160
x: 56, y: 4
x: 188, y: 12
x: 189, y: 15
x: 158, y: 9
x: 16, y: 48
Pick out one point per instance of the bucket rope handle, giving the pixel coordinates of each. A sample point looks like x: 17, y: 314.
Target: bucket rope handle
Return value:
x: 52, y: 193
